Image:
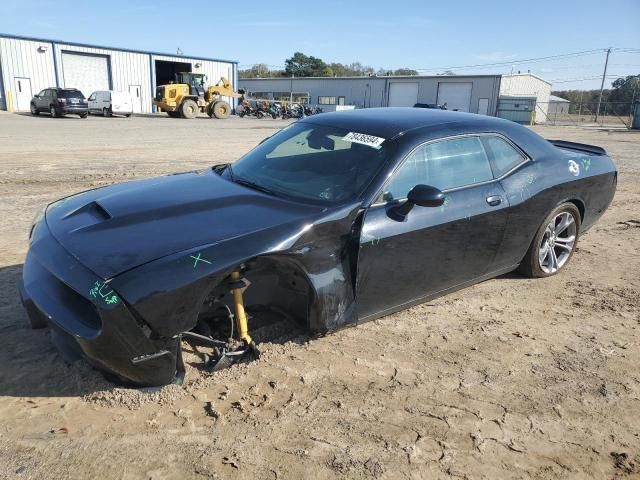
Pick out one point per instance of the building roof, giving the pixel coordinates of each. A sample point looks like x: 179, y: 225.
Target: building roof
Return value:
x: 553, y: 98
x: 118, y: 49
x: 366, y: 77
x: 526, y: 75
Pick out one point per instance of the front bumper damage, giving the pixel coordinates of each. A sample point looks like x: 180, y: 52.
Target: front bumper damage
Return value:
x: 88, y: 318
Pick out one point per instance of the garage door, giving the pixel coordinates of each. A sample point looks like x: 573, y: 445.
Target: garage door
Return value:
x: 457, y: 95
x: 87, y: 73
x: 403, y: 94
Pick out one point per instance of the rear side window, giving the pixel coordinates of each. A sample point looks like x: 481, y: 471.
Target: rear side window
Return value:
x: 503, y: 156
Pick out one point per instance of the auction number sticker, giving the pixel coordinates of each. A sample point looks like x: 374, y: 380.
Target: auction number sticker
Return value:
x: 363, y: 139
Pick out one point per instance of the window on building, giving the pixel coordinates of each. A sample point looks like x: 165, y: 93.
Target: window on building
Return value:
x: 326, y: 100
x: 340, y: 100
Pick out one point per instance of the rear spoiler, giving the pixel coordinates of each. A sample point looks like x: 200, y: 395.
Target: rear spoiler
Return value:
x: 580, y: 147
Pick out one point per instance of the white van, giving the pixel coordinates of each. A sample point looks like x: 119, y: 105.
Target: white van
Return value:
x: 110, y: 102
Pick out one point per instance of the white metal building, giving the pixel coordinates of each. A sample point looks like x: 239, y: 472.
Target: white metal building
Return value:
x: 466, y: 93
x: 558, y: 105
x: 528, y: 85
x: 28, y: 65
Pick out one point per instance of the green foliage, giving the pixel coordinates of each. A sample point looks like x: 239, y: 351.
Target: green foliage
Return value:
x: 618, y: 98
x: 301, y: 65
x: 260, y: 70
x: 405, y: 71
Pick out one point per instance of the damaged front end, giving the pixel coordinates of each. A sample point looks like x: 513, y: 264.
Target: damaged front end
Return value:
x: 89, y: 318
x: 227, y: 297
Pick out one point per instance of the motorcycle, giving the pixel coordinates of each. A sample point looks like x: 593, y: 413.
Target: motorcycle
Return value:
x: 293, y: 111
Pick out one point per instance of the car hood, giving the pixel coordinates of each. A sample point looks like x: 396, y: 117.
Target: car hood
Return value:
x: 114, y: 229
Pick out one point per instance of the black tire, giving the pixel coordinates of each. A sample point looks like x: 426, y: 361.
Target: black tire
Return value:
x: 128, y: 115
x: 83, y: 115
x: 210, y: 111
x: 53, y: 112
x: 189, y: 109
x: 106, y: 112
x: 174, y: 114
x: 531, y: 264
x: 34, y: 110
x: 221, y: 109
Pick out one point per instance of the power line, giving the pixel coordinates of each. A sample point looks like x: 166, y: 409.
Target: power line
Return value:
x: 517, y: 62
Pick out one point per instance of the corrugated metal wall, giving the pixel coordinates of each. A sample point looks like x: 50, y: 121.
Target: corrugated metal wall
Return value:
x: 528, y: 85
x: 21, y: 58
x: 126, y: 68
x: 368, y: 92
x: 38, y: 60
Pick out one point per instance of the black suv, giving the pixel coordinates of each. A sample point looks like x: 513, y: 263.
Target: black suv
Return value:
x: 60, y: 101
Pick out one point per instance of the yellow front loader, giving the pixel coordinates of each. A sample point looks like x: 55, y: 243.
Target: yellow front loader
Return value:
x: 188, y: 96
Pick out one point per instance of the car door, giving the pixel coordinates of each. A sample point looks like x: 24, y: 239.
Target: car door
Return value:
x: 92, y: 102
x: 42, y: 102
x: 432, y: 249
x: 37, y: 99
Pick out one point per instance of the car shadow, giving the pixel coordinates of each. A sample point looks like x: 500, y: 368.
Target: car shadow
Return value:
x: 30, y: 365
x: 45, y: 115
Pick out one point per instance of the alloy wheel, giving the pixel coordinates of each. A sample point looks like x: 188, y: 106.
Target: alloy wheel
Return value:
x: 557, y: 242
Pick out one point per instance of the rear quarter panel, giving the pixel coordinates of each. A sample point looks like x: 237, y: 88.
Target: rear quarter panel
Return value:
x: 542, y: 184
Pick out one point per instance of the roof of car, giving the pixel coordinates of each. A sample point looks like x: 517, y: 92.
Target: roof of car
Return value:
x: 390, y: 122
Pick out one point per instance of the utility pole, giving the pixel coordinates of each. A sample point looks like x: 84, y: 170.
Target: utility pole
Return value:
x: 291, y: 92
x: 604, y: 74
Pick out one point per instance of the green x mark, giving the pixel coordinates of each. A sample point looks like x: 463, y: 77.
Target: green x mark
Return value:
x: 197, y: 259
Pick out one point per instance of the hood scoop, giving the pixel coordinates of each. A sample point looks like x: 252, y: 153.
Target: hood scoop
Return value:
x: 91, y: 209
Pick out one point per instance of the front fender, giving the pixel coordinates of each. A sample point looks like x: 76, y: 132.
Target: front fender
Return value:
x: 168, y: 293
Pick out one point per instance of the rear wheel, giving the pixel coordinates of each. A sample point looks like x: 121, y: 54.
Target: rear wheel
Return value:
x: 52, y: 111
x: 554, y: 243
x: 82, y: 115
x: 106, y: 112
x: 34, y: 110
x: 189, y: 109
x: 221, y: 109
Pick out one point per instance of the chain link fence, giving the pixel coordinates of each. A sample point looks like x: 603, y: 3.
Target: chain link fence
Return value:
x: 613, y: 114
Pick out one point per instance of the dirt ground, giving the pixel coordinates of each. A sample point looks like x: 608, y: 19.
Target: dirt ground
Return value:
x: 512, y: 378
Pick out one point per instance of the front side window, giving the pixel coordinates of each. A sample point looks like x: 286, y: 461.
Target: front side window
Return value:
x: 312, y: 162
x: 326, y: 100
x: 503, y: 156
x: 445, y: 164
x: 43, y: 93
x: 93, y: 96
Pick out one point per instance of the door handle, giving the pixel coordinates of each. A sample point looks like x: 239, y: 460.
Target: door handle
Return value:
x: 494, y: 200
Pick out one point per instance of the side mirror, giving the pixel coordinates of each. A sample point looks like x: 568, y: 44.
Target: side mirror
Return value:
x: 36, y: 96
x: 421, y: 195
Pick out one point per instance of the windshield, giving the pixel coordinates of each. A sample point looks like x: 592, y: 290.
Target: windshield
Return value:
x: 70, y: 94
x: 313, y: 162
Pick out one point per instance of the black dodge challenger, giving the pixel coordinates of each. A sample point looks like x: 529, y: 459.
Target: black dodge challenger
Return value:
x: 337, y: 219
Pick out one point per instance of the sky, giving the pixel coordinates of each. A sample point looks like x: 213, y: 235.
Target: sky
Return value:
x: 428, y: 36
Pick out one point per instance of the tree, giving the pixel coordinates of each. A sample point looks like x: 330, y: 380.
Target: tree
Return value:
x: 260, y: 70
x: 625, y: 89
x: 405, y: 71
x: 302, y: 65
